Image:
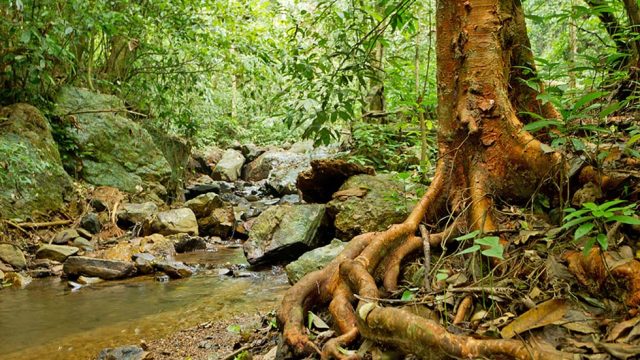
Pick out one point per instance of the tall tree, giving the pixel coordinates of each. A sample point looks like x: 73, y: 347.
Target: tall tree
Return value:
x: 482, y: 45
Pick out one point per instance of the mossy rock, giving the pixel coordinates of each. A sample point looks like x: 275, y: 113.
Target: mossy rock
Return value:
x: 111, y: 149
x: 32, y: 179
x: 371, y: 203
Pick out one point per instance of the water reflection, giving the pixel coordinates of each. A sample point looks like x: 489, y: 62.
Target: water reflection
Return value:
x: 48, y: 321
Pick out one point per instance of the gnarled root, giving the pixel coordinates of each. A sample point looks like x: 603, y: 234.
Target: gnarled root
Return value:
x: 595, y: 269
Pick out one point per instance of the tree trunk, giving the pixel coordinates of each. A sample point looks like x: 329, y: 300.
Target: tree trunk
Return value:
x: 484, y: 154
x: 375, y: 98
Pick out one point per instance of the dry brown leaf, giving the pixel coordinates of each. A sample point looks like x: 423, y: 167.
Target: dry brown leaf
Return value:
x: 621, y: 328
x: 621, y: 351
x: 357, y: 192
x: 544, y: 314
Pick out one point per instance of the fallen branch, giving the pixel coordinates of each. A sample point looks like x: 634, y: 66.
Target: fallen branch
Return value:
x: 106, y: 111
x: 38, y: 225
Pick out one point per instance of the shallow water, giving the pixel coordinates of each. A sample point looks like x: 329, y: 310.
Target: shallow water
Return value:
x: 49, y: 321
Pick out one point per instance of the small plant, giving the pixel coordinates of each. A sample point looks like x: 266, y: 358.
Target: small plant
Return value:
x: 594, y: 219
x: 492, y: 245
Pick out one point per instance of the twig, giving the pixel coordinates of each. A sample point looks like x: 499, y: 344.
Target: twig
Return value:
x: 489, y: 290
x: 463, y: 309
x: 427, y: 255
x: 35, y: 225
x: 237, y: 352
x: 17, y: 227
x: 106, y: 111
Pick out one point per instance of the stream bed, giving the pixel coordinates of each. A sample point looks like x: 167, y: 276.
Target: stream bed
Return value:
x: 47, y: 320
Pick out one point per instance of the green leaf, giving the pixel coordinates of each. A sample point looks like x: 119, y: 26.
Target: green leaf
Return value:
x: 588, y: 98
x: 603, y: 241
x: 577, y: 221
x: 406, y: 295
x: 470, y: 250
x: 583, y: 230
x: 234, y: 328
x: 541, y: 124
x: 468, y: 236
x: 495, y: 248
x: 588, y: 246
x: 611, y: 203
x: 624, y: 219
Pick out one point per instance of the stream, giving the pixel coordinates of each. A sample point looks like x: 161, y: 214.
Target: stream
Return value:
x: 47, y: 320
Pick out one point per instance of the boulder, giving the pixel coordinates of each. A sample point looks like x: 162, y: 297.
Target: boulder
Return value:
x: 175, y: 269
x: 302, y: 147
x: 18, y: 280
x: 82, y: 243
x: 32, y: 178
x: 56, y: 252
x: 251, y: 151
x: 220, y: 222
x: 114, y: 150
x: 13, y: 256
x: 313, y: 260
x: 158, y: 246
x: 144, y: 263
x: 174, y: 222
x: 204, y: 204
x: 261, y: 167
x: 229, y: 167
x: 326, y: 177
x: 65, y: 236
x: 206, y: 159
x: 177, y: 151
x: 102, y: 268
x: 91, y: 223
x: 283, y: 232
x: 129, y: 352
x: 135, y: 214
x: 367, y: 203
x: 185, y: 243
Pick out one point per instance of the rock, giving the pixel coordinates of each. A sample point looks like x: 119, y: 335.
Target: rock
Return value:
x: 6, y: 267
x: 85, y: 280
x: 134, y: 214
x: 1, y: 277
x: 129, y: 352
x: 115, y: 151
x: 56, y: 252
x: 13, y: 256
x: 326, y: 177
x: 144, y: 263
x: 82, y: 243
x: 84, y: 233
x: 590, y: 192
x: 290, y: 199
x: 175, y: 269
x: 251, y: 151
x: 102, y: 268
x: 220, y: 223
x: 65, y: 236
x: 302, y: 147
x: 18, y: 279
x: 367, y: 203
x: 204, y: 204
x: 158, y: 246
x: 174, y: 222
x: 283, y: 232
x: 91, y: 223
x: 229, y: 167
x: 32, y: 178
x: 162, y: 278
x: 177, y: 151
x: 315, y: 259
x: 206, y: 159
x: 185, y: 243
x: 261, y: 167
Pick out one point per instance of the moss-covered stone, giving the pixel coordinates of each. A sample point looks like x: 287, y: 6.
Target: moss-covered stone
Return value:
x: 283, y: 232
x: 112, y: 149
x: 384, y: 201
x: 313, y: 260
x: 32, y: 179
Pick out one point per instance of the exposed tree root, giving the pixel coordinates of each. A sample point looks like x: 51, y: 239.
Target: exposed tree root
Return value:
x: 598, y: 269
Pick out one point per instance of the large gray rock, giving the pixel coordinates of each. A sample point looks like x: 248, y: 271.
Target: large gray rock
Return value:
x: 115, y: 151
x: 367, y: 203
x: 129, y: 352
x: 204, y: 204
x: 13, y: 256
x: 135, y: 214
x: 229, y: 167
x: 56, y: 252
x: 261, y: 167
x: 65, y: 236
x: 102, y: 268
x: 313, y: 260
x: 174, y: 222
x: 32, y: 178
x: 175, y: 269
x: 283, y: 232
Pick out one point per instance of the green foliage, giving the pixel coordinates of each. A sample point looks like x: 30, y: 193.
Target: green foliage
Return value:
x: 491, y: 244
x: 594, y: 219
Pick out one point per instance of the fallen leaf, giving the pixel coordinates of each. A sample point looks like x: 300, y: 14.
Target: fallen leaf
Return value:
x: 623, y: 329
x: 620, y: 351
x: 544, y: 314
